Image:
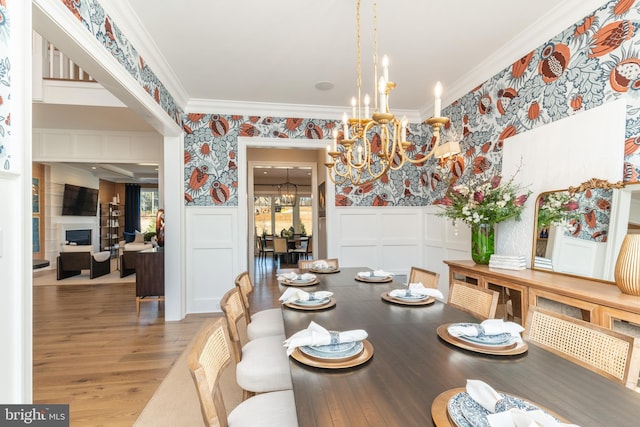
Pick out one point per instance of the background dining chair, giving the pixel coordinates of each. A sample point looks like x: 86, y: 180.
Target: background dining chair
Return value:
x: 428, y: 278
x: 304, y: 251
x: 607, y: 352
x: 306, y: 264
x: 209, y: 356
x: 262, y: 365
x: 280, y: 249
x: 479, y: 302
x: 262, y: 323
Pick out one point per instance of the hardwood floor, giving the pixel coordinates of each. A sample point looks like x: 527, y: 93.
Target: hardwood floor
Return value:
x: 91, y: 351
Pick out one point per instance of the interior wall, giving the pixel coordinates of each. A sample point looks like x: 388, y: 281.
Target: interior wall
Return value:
x: 559, y: 155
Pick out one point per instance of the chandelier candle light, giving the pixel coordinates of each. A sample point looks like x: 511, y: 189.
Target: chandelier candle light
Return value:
x: 361, y: 158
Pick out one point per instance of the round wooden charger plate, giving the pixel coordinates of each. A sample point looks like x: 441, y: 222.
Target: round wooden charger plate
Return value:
x: 359, y: 359
x: 440, y: 413
x: 385, y: 296
x: 327, y: 271
x: 328, y: 304
x: 299, y: 285
x: 511, y: 350
x: 368, y: 280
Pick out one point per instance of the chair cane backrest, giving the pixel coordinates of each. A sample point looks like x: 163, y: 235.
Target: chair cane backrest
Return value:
x: 306, y: 264
x: 244, y: 283
x: 479, y: 302
x: 208, y: 356
x: 280, y: 245
x: 233, y: 309
x: 428, y: 278
x: 607, y: 352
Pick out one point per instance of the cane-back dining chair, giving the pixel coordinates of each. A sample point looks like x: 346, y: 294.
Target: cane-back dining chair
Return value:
x: 209, y: 356
x: 262, y: 363
x: 428, y: 278
x: 609, y: 353
x: 479, y: 302
x: 262, y: 323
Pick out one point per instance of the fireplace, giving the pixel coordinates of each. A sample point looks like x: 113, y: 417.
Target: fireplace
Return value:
x: 79, y: 237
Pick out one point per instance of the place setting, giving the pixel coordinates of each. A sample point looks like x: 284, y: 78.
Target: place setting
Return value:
x: 294, y: 279
x: 323, y: 267
x: 492, y: 336
x: 374, y: 276
x: 298, y: 299
x: 414, y: 294
x: 479, y: 405
x: 318, y: 347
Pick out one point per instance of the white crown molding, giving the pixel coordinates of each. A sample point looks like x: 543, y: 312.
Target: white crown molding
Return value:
x: 213, y: 106
x: 558, y: 19
x: 127, y: 20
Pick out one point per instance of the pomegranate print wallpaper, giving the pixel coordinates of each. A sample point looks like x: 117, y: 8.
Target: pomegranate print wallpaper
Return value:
x: 5, y: 89
x: 596, y: 60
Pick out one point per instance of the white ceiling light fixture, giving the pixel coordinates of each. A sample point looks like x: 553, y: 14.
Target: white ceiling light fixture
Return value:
x: 374, y: 144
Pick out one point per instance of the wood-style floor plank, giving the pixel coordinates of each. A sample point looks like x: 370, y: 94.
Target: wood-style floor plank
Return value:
x: 91, y: 351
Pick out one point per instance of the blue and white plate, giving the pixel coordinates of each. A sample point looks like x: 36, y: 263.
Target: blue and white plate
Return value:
x: 333, y: 351
x: 312, y: 302
x: 412, y: 297
x: 300, y: 280
x: 466, y: 412
x: 489, y: 340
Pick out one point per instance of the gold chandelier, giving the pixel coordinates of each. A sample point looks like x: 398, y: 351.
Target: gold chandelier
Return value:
x: 287, y: 193
x: 371, y: 146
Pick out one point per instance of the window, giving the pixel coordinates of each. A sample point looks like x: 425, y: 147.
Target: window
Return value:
x: 271, y: 218
x: 148, y: 209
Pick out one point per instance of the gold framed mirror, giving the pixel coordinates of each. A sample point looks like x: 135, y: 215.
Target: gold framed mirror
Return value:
x: 572, y: 227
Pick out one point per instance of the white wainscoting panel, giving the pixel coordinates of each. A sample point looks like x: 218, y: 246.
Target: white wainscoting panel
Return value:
x: 212, y: 256
x: 443, y: 241
x: 382, y: 238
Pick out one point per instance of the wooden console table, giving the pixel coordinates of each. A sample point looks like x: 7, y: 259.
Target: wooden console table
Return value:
x: 601, y: 302
x: 149, y: 276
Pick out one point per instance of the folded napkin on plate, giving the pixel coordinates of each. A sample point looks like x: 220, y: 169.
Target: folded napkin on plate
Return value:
x: 487, y: 327
x: 483, y: 394
x: 317, y: 335
x: 519, y: 418
x: 320, y: 265
x: 375, y: 273
x: 294, y: 294
x: 294, y: 276
x: 417, y: 289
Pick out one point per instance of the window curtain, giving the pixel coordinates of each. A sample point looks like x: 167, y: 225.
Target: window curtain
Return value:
x: 132, y: 208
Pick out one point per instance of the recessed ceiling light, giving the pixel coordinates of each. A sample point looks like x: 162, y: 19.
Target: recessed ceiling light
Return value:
x: 324, y: 85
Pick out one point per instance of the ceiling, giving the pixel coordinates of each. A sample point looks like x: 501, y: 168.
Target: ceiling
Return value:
x: 217, y: 53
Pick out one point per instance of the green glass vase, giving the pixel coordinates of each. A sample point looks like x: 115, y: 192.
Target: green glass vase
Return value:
x: 482, y: 242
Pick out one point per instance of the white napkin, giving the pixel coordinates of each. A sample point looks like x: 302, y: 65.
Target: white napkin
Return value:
x: 376, y: 273
x: 417, y: 289
x: 293, y: 276
x: 317, y: 335
x: 519, y: 418
x: 295, y: 294
x: 490, y: 327
x: 320, y: 265
x: 484, y: 394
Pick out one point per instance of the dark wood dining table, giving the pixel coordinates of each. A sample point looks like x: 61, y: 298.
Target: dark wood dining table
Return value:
x: 411, y: 366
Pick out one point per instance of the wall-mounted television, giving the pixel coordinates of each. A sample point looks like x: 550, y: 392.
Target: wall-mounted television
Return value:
x: 79, y: 201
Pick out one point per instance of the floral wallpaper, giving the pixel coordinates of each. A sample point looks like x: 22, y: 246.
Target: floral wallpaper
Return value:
x: 594, y: 214
x: 594, y: 61
x: 91, y: 14
x: 5, y: 89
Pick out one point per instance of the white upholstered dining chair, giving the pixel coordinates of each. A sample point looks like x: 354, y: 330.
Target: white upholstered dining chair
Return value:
x: 209, y: 356
x: 262, y: 323
x: 262, y: 363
